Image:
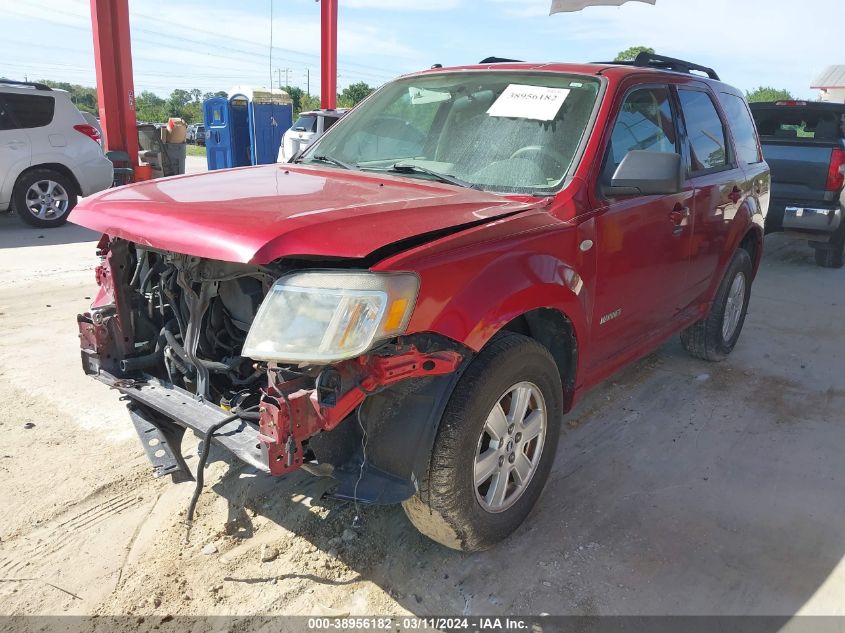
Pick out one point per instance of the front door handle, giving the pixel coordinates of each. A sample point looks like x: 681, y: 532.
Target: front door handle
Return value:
x: 679, y: 214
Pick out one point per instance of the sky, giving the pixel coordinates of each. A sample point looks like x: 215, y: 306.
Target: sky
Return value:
x: 216, y: 44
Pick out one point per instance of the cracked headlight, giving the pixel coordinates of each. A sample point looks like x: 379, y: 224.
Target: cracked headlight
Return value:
x: 323, y: 317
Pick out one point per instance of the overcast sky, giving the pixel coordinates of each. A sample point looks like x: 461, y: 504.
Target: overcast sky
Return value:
x: 215, y: 44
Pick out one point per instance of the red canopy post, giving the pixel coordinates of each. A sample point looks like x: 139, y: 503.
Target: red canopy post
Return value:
x: 328, y: 93
x: 115, y: 87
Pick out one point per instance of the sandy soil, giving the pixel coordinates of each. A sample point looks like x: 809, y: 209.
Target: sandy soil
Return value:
x: 680, y: 487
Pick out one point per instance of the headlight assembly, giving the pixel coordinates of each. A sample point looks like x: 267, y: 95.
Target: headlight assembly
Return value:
x: 328, y: 316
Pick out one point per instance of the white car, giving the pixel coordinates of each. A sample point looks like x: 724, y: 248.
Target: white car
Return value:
x: 49, y: 154
x: 308, y: 128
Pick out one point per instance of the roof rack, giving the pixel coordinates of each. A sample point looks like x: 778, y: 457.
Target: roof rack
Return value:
x: 34, y: 84
x: 499, y: 60
x: 652, y: 60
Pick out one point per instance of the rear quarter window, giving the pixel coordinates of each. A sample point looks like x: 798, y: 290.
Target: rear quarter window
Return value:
x: 31, y: 111
x: 742, y: 126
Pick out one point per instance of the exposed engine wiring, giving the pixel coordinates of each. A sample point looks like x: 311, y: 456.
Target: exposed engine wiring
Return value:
x: 203, y: 458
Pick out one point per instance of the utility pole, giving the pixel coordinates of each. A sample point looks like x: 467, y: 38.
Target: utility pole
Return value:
x: 308, y: 81
x: 279, y: 72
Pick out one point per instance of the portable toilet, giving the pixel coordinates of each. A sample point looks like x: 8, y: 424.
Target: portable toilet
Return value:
x: 227, y: 141
x: 247, y: 127
x: 271, y: 115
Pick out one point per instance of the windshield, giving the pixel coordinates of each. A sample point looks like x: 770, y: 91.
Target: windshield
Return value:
x: 497, y: 131
x: 306, y: 124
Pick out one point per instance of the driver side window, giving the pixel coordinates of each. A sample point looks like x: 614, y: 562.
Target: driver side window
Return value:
x: 645, y: 122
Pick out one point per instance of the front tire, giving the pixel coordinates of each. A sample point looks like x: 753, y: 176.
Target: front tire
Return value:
x: 494, y: 448
x: 44, y: 198
x: 714, y: 337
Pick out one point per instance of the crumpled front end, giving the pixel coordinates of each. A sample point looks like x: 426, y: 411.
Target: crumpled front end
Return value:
x: 168, y: 331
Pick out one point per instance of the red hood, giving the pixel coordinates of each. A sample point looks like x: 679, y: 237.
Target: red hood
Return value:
x: 259, y: 214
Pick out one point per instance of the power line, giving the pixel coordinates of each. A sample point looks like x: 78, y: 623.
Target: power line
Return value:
x: 379, y: 72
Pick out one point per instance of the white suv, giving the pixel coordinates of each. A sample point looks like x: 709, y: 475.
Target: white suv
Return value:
x: 308, y: 128
x: 49, y: 154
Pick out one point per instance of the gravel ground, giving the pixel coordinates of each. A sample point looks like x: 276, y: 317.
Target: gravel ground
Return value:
x: 681, y: 487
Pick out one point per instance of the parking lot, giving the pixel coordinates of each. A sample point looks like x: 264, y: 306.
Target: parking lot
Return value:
x: 681, y: 487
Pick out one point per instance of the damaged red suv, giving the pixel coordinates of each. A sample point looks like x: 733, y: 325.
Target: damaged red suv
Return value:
x: 413, y: 303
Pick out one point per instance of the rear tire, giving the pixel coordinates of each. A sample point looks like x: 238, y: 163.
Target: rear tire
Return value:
x: 832, y: 254
x: 714, y: 337
x: 457, y: 504
x: 44, y: 198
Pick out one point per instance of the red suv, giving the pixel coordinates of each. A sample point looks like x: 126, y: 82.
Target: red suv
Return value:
x: 413, y: 305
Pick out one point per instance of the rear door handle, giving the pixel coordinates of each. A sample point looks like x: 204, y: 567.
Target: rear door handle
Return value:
x: 16, y: 144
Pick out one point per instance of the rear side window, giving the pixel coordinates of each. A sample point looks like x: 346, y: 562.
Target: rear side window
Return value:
x: 742, y: 126
x: 328, y: 122
x: 708, y: 147
x: 644, y: 123
x: 31, y: 110
x: 6, y: 122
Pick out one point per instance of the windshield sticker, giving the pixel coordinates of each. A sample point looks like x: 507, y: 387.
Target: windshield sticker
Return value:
x: 420, y: 96
x: 529, y: 102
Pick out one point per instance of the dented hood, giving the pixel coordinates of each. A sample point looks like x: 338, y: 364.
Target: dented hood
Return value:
x: 259, y: 214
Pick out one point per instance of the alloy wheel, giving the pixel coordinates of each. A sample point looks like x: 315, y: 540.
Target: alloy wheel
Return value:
x: 47, y: 200
x: 510, y: 447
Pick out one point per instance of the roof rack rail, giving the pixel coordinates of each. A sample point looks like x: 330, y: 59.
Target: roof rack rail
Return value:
x: 670, y: 63
x: 499, y: 60
x: 34, y: 84
x: 652, y: 60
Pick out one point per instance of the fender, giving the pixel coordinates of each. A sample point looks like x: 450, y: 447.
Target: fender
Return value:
x: 469, y: 293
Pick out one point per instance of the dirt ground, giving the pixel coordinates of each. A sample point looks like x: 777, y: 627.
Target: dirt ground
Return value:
x: 681, y: 487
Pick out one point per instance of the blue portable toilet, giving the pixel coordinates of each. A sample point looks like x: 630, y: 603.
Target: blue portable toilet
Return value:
x: 247, y: 127
x: 227, y: 132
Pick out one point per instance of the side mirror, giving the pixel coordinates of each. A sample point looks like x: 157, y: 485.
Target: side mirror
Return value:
x: 646, y: 174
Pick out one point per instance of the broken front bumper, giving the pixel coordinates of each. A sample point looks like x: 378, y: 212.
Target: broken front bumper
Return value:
x: 175, y: 405
x: 290, y: 412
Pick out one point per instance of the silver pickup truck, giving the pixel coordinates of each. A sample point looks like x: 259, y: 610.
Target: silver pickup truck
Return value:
x: 804, y: 144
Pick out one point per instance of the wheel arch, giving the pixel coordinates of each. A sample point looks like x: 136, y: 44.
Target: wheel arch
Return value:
x: 64, y: 170
x: 554, y: 331
x: 752, y: 243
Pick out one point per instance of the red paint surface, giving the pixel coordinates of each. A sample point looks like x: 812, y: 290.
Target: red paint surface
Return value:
x: 475, y: 281
x: 115, y: 87
x: 258, y: 214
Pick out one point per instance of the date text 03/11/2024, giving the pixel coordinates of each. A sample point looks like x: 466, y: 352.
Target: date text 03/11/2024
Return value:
x: 413, y: 623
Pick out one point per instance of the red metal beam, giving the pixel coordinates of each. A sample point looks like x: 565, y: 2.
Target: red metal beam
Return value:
x: 328, y: 16
x: 115, y: 87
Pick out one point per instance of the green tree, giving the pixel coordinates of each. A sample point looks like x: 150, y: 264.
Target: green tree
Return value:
x: 150, y: 108
x: 768, y: 94
x: 84, y: 97
x: 296, y: 95
x: 630, y: 54
x: 308, y: 102
x: 354, y: 94
x: 178, y: 100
